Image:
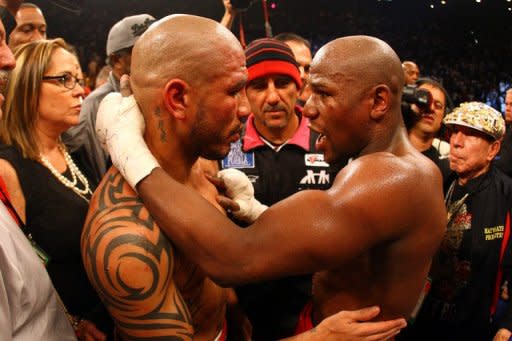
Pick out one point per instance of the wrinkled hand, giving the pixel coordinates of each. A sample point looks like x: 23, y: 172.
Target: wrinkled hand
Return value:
x: 87, y: 331
x: 502, y: 335
x: 120, y: 128
x: 353, y: 325
x: 239, y: 188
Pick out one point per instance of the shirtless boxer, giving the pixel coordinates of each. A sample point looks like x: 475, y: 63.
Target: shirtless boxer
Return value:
x: 190, y: 91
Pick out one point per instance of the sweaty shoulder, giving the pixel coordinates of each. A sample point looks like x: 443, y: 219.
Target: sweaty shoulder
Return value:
x: 390, y: 191
x: 131, y: 263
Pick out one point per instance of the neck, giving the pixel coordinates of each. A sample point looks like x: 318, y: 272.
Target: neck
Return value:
x: 47, y: 140
x: 465, y: 178
x: 383, y: 141
x: 171, y: 155
x: 420, y: 140
x: 278, y: 136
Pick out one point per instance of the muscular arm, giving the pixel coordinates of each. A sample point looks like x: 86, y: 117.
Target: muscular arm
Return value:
x: 130, y: 263
x: 310, y: 231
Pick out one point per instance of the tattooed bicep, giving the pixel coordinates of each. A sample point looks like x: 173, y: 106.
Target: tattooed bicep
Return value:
x: 130, y: 263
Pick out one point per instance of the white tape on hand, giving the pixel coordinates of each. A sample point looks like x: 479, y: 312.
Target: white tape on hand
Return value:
x: 120, y: 128
x: 239, y: 188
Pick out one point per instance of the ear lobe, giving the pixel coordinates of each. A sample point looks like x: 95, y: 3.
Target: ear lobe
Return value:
x: 176, y: 93
x: 381, y: 102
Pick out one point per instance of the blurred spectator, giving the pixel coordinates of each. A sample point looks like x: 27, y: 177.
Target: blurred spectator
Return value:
x: 29, y: 305
x: 102, y: 76
x: 48, y: 191
x: 302, y: 51
x: 411, y: 72
x: 121, y: 38
x: 504, y: 159
x: 424, y: 122
x: 30, y: 25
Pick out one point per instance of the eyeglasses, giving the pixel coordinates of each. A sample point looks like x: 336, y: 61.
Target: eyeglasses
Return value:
x: 67, y: 80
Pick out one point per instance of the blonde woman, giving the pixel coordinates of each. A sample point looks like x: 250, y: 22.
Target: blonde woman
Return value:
x: 48, y: 190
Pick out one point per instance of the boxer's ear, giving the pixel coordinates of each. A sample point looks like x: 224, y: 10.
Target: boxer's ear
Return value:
x: 381, y: 96
x: 177, y: 97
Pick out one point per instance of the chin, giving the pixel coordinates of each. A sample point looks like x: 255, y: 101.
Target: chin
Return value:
x: 216, y: 154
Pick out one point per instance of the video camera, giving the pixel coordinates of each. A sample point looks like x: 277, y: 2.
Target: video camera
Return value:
x: 412, y: 95
x: 241, y: 5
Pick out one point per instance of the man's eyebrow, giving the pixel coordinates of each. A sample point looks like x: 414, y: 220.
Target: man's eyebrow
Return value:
x: 239, y: 85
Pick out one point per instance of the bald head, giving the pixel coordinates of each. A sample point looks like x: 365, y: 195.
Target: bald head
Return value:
x: 187, y: 47
x: 362, y: 61
x: 411, y: 72
x: 357, y: 86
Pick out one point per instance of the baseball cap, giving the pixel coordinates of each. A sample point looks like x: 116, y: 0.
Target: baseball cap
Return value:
x: 125, y: 33
x: 478, y: 116
x: 270, y: 56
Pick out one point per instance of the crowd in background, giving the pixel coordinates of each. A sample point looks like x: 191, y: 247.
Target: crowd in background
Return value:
x: 463, y: 58
x: 466, y: 52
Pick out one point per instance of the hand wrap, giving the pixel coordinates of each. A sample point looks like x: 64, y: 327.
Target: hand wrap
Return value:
x: 239, y: 188
x: 120, y: 128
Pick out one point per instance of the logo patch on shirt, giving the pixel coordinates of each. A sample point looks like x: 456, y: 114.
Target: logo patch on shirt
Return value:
x: 237, y: 158
x: 315, y: 160
x: 312, y: 178
x: 495, y: 232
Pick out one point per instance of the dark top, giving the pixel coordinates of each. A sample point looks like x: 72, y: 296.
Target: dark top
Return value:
x: 465, y: 269
x: 55, y: 215
x: 273, y: 307
x: 503, y: 160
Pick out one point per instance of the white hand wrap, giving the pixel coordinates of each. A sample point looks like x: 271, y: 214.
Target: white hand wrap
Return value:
x: 239, y: 188
x: 120, y: 128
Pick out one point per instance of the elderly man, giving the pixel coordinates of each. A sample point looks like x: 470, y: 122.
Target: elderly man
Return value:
x: 192, y: 99
x: 411, y: 72
x: 277, y: 151
x: 371, y: 236
x: 30, y: 25
x: 121, y: 38
x: 474, y: 257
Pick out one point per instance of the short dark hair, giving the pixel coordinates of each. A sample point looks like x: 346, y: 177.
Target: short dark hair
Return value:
x: 288, y: 36
x: 436, y: 84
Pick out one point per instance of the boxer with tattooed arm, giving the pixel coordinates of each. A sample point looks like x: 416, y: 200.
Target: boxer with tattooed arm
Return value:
x: 190, y: 91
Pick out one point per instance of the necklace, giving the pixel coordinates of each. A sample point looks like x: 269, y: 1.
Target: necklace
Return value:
x: 76, y: 175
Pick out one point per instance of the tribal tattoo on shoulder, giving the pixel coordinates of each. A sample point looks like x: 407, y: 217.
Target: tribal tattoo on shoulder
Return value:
x: 130, y: 263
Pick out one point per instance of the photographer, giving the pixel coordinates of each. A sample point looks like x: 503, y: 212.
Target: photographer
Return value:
x: 423, y: 115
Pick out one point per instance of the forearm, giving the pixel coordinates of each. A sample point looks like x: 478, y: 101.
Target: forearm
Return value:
x: 203, y: 233
x: 227, y: 20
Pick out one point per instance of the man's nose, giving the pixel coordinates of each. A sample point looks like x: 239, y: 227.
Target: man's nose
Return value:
x: 7, y: 61
x: 272, y: 93
x: 37, y: 35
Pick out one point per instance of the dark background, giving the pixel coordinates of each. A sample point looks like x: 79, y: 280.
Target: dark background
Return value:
x: 465, y: 44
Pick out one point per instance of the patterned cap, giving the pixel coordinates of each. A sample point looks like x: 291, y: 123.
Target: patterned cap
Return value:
x: 125, y: 33
x: 270, y: 56
x: 478, y: 116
